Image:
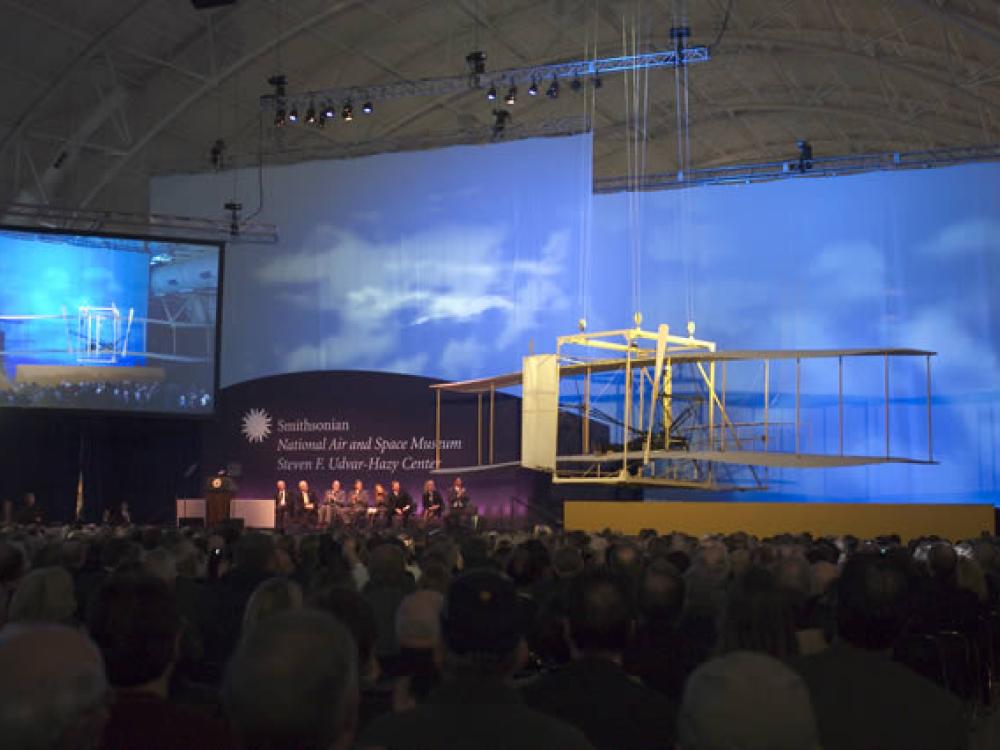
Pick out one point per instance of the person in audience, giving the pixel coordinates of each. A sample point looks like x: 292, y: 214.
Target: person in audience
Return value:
x: 271, y: 597
x: 940, y: 603
x: 759, y: 616
x: 53, y: 689
x: 44, y: 595
x: 749, y: 701
x: 593, y: 692
x: 134, y: 621
x: 159, y: 563
x: 293, y: 683
x: 476, y: 706
x: 418, y: 633
x: 354, y: 611
x: 226, y: 598
x: 661, y: 654
x: 13, y: 566
x: 388, y: 583
x: 861, y: 697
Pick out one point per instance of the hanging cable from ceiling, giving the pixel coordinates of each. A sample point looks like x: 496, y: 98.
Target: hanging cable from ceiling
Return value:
x: 680, y: 32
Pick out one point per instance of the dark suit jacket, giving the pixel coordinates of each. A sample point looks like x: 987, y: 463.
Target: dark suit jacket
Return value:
x: 865, y: 701
x: 471, y: 715
x: 288, y: 499
x: 402, y: 501
x: 300, y: 499
x: 600, y: 699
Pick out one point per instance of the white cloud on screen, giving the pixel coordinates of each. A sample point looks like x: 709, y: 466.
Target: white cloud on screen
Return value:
x: 370, y: 292
x: 961, y: 238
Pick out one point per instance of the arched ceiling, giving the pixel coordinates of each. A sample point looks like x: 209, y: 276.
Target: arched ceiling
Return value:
x: 100, y: 95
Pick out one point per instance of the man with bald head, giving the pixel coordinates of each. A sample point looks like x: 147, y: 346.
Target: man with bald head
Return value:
x: 52, y: 689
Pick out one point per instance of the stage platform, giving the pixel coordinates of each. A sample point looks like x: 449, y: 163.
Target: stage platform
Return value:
x: 56, y: 374
x: 865, y: 520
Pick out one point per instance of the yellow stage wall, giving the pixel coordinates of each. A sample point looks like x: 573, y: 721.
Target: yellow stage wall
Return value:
x: 766, y: 519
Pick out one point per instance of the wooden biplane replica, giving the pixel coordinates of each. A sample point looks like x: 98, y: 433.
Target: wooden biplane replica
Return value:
x: 655, y: 409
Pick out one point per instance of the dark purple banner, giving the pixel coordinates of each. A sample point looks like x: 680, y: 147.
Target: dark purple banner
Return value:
x: 376, y: 427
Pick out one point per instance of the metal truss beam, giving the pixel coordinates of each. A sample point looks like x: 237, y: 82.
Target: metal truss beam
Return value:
x: 821, y: 167
x: 560, y: 126
x: 577, y: 69
x: 160, y: 225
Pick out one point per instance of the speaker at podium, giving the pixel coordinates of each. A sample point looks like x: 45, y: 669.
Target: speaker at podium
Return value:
x: 219, y: 491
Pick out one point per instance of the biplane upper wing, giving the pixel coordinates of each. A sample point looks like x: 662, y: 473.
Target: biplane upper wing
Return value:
x: 484, y: 385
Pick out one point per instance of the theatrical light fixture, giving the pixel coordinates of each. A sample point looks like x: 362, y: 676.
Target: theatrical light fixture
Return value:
x: 348, y: 111
x: 511, y: 95
x: 293, y: 116
x: 279, y: 117
x: 597, y: 81
x: 533, y: 88
x: 367, y: 108
x: 491, y: 94
x: 553, y: 90
x: 329, y: 112
x: 576, y: 85
x: 311, y: 115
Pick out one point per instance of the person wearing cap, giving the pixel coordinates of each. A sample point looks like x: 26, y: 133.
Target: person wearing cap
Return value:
x: 475, y: 706
x: 749, y: 701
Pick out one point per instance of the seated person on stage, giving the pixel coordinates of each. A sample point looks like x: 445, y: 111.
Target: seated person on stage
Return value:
x: 458, y: 502
x: 305, y: 503
x: 29, y: 512
x: 359, y: 503
x: 333, y: 501
x: 282, y: 503
x: 381, y: 506
x: 432, y: 500
x: 400, y: 504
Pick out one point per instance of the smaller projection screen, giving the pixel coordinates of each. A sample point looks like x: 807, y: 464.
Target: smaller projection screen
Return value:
x: 108, y: 323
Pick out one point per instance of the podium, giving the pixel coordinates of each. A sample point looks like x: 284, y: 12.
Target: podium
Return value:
x: 217, y: 504
x: 219, y: 491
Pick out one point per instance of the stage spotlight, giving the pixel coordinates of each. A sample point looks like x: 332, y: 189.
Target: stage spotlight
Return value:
x: 279, y: 117
x: 293, y: 116
x: 347, y: 112
x: 367, y: 108
x: 598, y: 82
x: 311, y: 115
x: 329, y: 112
x: 491, y: 94
x: 553, y: 90
x: 533, y: 88
x: 511, y: 95
x: 576, y: 85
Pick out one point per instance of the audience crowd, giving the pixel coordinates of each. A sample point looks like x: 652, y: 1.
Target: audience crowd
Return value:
x: 109, y: 395
x: 147, y: 637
